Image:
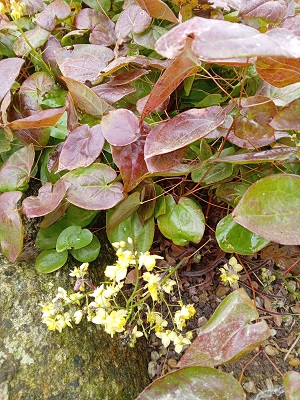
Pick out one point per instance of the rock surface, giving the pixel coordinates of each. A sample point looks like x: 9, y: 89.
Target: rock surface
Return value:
x: 80, y: 363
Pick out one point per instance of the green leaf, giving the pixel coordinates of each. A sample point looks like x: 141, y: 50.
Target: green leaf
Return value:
x: 182, y: 222
x: 88, y: 253
x: 73, y: 237
x: 79, y: 215
x: 234, y: 238
x: 232, y: 192
x: 99, y: 5
x: 142, y: 235
x: 47, y: 237
x: 271, y: 208
x: 190, y: 383
x: 30, y: 40
x: 49, y: 261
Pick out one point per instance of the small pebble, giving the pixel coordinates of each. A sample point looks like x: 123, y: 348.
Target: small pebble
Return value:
x: 250, y: 387
x: 202, y: 321
x: 195, y: 299
x: 162, y: 351
x: 172, y: 363
x: 154, y: 355
x: 155, y: 344
x: 294, y: 362
x: 152, y: 369
x: 271, y: 351
x: 222, y: 290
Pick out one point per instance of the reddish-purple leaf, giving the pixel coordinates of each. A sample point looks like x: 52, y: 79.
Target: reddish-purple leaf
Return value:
x: 132, y: 19
x: 140, y: 104
x: 41, y: 119
x: 120, y: 127
x: 84, y: 61
x: 47, y: 200
x: 287, y: 117
x: 128, y: 77
x: 91, y: 187
x: 182, y: 67
x: 184, y: 129
x: 48, y: 54
x: 292, y: 24
x: 103, y: 29
x: 15, y: 171
x: 111, y: 94
x: 140, y: 61
x: 36, y: 85
x: 270, y: 10
x: 58, y: 9
x: 72, y: 118
x: 278, y: 71
x: 11, y: 228
x: 55, y: 214
x: 33, y: 6
x: 158, y: 9
x: 81, y: 148
x: 10, y: 69
x: 130, y: 161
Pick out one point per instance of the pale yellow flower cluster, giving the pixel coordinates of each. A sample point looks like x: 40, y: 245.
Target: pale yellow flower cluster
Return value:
x: 229, y: 272
x: 16, y: 9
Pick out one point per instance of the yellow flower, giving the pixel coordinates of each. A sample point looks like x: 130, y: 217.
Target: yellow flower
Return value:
x: 152, y: 285
x: 17, y: 9
x: 48, y: 310
x: 148, y: 260
x: 118, y: 245
x: 229, y: 272
x: 100, y: 299
x: 168, y: 285
x: 134, y: 335
x: 61, y: 294
x: 50, y: 322
x: 115, y: 321
x: 77, y: 316
x: 99, y: 317
x: 166, y: 337
x: 180, y: 342
x: 116, y: 272
x: 81, y: 271
x: 186, y: 312
x: 3, y: 8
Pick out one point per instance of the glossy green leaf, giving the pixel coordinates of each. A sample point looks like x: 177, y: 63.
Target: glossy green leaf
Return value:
x: 232, y: 192
x: 291, y: 382
x: 98, y: 5
x: 79, y: 215
x: 212, y: 173
x: 142, y: 235
x: 88, y: 253
x: 47, y: 237
x: 183, y: 222
x: 271, y: 208
x: 192, y: 383
x: 50, y: 260
x: 229, y: 334
x: 123, y: 210
x: 234, y: 238
x: 73, y: 237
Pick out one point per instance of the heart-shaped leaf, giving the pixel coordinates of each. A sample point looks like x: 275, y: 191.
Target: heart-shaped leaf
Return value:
x: 234, y: 238
x: 88, y: 253
x: 132, y: 19
x: 50, y: 261
x: 58, y: 9
x: 191, y: 383
x: 228, y: 335
x: 91, y: 188
x: 73, y: 237
x: 10, y: 69
x: 270, y: 208
x: 269, y: 10
x: 120, y: 127
x: 11, y: 228
x: 183, y: 222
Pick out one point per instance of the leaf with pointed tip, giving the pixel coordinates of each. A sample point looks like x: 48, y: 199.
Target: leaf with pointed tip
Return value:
x: 130, y: 161
x: 181, y: 68
x: 120, y: 127
x: 287, y: 117
x: 291, y: 382
x: 81, y: 148
x: 140, y: 61
x: 132, y: 19
x: 83, y: 61
x: 57, y: 9
x: 37, y: 37
x: 280, y: 96
x: 10, y: 69
x: 11, y: 228
x: 111, y: 94
x: 158, y: 9
x: 91, y: 187
x: 41, y: 119
x: 261, y: 156
x: 191, y: 383
x: 102, y: 28
x: 278, y: 71
x: 185, y: 129
x: 15, y: 171
x: 270, y: 10
x: 46, y: 201
x: 127, y: 77
x: 271, y: 208
x: 231, y: 320
x: 85, y: 99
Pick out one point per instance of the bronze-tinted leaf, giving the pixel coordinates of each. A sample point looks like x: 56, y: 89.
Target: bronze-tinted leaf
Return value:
x: 140, y: 61
x: 84, y: 61
x: 127, y: 77
x: 58, y: 9
x: 11, y: 228
x: 103, y: 29
x: 278, y: 71
x: 111, y: 94
x: 120, y: 127
x: 47, y: 200
x: 36, y: 85
x: 132, y: 19
x: 158, y: 9
x: 41, y: 119
x: 287, y: 117
x: 91, y: 187
x: 81, y: 148
x: 85, y: 99
x: 10, y: 69
x: 270, y: 10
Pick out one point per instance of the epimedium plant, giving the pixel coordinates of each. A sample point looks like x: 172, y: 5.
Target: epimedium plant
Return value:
x: 106, y: 103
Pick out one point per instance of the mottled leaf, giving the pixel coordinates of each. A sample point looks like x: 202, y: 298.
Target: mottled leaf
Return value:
x: 228, y: 335
x: 58, y: 9
x: 91, y: 187
x: 270, y: 10
x: 287, y: 117
x: 15, y: 171
x: 280, y: 96
x: 132, y: 19
x: 127, y: 77
x: 191, y: 383
x: 120, y: 127
x: 270, y: 208
x: 231, y: 192
x: 37, y: 37
x: 81, y: 147
x: 291, y: 382
x: 46, y: 201
x: 278, y: 71
x: 39, y: 120
x: 36, y: 85
x: 86, y: 99
x: 158, y: 9
x: 11, y: 228
x: 10, y: 69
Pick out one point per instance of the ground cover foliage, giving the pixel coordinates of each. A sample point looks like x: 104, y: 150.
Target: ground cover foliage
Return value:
x: 150, y: 112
